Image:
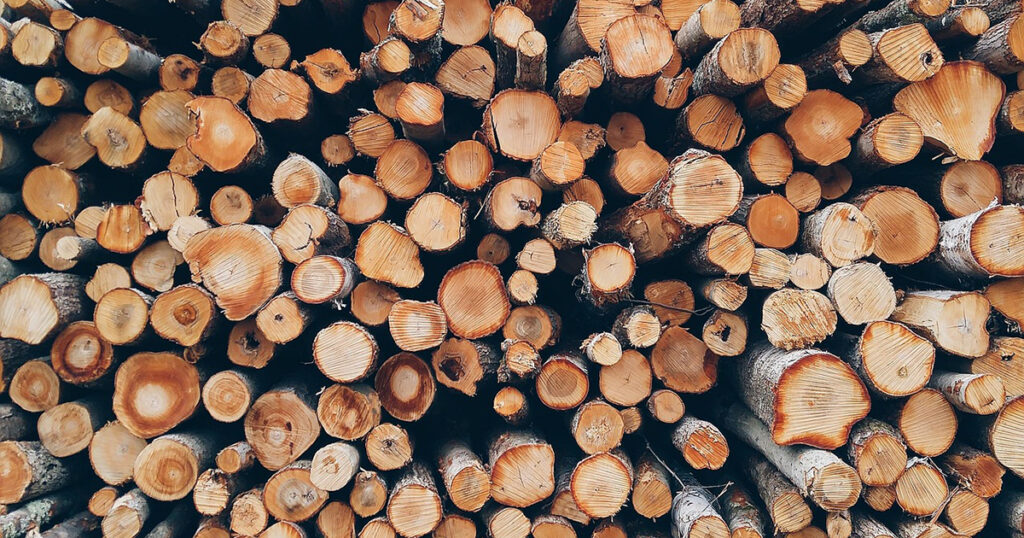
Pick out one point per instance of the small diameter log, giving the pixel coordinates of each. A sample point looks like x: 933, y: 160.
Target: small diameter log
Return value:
x: 908, y: 227
x: 998, y: 434
x: 214, y: 490
x: 414, y: 507
x: 809, y: 272
x: 167, y: 469
x: 531, y: 60
x: 892, y: 360
x: 665, y: 406
x: 724, y: 293
x: 608, y: 272
x: 281, y: 98
x: 803, y: 190
x: 877, y: 451
x: 1008, y: 510
x: 921, y: 489
x: 999, y: 47
x: 771, y: 219
x: 34, y: 386
x: 974, y: 470
x: 978, y: 246
x: 297, y: 181
x: 725, y: 333
x: 794, y: 319
x: 861, y: 293
x: 336, y: 520
x: 467, y: 165
x: 966, y: 513
x: 290, y: 495
x: 519, y: 124
x: 520, y: 361
x: 537, y: 326
x: 473, y: 298
x: 512, y: 203
x: 225, y: 139
x: 652, y: 489
x: 726, y: 72
x: 436, y: 222
x: 522, y: 468
x: 464, y: 365
x: 840, y: 233
x: 186, y: 315
x: 20, y: 109
x: 128, y: 59
x: 741, y: 513
x: 406, y: 386
x: 18, y: 236
x: 122, y: 316
x: 787, y: 509
x: 765, y: 375
x: 979, y: 394
x: 179, y: 72
x: 384, y: 252
x: 706, y: 25
x: 942, y: 125
x: 953, y: 320
x: 879, y: 498
x: 596, y: 426
x: 67, y: 429
x: 15, y: 423
x: 337, y: 150
x: 464, y: 476
x: 783, y: 90
x: 726, y: 249
x: 309, y: 230
x: 667, y: 217
x: 558, y: 166
x: 467, y: 22
x: 901, y: 55
x: 522, y: 287
x: 348, y: 412
x: 672, y: 301
x: 888, y: 141
x: 128, y: 515
x: 683, y: 362
x: 927, y: 421
x: 506, y: 522
x: 228, y: 394
x: 958, y: 23
x: 154, y: 392
x: 57, y: 92
x: 711, y: 121
x: 634, y: 50
x: 637, y: 327
x: 282, y: 424
x: 511, y: 405
x: 248, y: 514
x: 819, y: 475
x: 694, y: 512
x: 634, y: 170
x: 827, y: 142
x: 77, y: 525
x: 323, y: 279
x: 232, y: 84
x: 284, y: 318
x: 235, y: 458
x: 79, y: 355
x: 420, y: 110
x: 369, y: 494
x: 1003, y: 359
x: 112, y: 453
x: 600, y: 483
x: 370, y: 134
x: 701, y: 443
x: 602, y: 348
x: 766, y: 159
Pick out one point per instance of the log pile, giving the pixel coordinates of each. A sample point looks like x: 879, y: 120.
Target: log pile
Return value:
x: 551, y: 268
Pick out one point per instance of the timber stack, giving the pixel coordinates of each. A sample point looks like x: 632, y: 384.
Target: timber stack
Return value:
x: 550, y: 268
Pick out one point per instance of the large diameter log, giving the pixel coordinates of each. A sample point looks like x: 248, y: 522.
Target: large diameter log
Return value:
x: 154, y: 392
x: 953, y: 320
x: 822, y: 142
x: 634, y: 50
x: 28, y: 470
x: 980, y: 245
x: 769, y: 378
x: 670, y: 214
x: 473, y: 298
x: 34, y: 307
x: 967, y: 134
x: 820, y: 475
x: 239, y: 264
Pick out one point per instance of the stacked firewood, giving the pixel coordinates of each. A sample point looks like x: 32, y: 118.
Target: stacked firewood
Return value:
x: 610, y: 268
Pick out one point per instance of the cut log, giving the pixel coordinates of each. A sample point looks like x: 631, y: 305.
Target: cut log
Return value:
x: 522, y: 468
x: 225, y: 138
x: 683, y: 362
x: 694, y: 512
x: 927, y: 422
x: 701, y: 443
x: 405, y: 386
x: 822, y: 143
x: 519, y: 124
x: 952, y: 320
x: 819, y: 475
x: 921, y: 489
x: 785, y: 504
x: 843, y: 399
x: 282, y: 424
x: 795, y: 319
x: 600, y: 483
x: 290, y: 495
x: 976, y: 246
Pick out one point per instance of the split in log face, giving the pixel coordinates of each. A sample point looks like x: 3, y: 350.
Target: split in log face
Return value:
x: 634, y: 50
x: 154, y: 392
x: 519, y: 124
